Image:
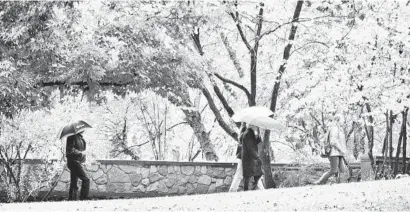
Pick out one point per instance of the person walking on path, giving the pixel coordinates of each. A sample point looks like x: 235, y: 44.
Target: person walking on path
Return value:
x: 238, y: 177
x: 338, y: 150
x: 76, y: 145
x: 251, y: 162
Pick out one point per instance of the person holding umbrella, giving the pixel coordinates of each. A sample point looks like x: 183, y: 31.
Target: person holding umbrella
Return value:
x: 75, y: 148
x: 256, y: 117
x: 251, y: 162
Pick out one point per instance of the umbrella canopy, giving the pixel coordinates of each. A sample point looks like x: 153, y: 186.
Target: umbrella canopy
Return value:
x: 74, y: 128
x: 249, y: 113
x: 264, y: 122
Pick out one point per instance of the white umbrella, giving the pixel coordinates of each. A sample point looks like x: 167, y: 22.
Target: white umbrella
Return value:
x: 251, y: 112
x: 264, y: 122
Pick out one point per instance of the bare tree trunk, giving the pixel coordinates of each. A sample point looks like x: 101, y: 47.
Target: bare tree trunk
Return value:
x: 391, y: 139
x: 370, y: 136
x: 265, y: 156
x: 193, y: 117
x: 405, y: 140
x: 386, y: 137
x: 396, y: 165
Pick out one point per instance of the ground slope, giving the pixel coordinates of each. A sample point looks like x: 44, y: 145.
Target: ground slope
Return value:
x: 392, y: 195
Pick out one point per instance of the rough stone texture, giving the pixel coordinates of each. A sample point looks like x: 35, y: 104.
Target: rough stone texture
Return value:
x: 95, y: 175
x: 119, y: 187
x: 135, y: 179
x: 228, y: 180
x: 203, y: 169
x: 222, y: 189
x: 230, y: 171
x: 106, y: 167
x: 205, y: 180
x: 145, y: 172
x: 130, y: 169
x: 101, y: 188
x: 197, y: 171
x: 162, y: 188
x: 202, y: 189
x: 173, y: 190
x: 139, y: 188
x: 151, y: 178
x: 187, y: 170
x: 92, y: 168
x: 163, y: 170
x: 102, y: 180
x: 219, y: 172
x: 190, y: 188
x: 219, y: 182
x: 183, y: 180
x: 182, y: 190
x: 170, y: 182
x: 193, y: 179
x: 116, y: 175
x: 154, y: 177
x: 145, y: 182
x: 171, y: 170
x: 153, y: 187
x: 212, y: 188
x: 153, y: 169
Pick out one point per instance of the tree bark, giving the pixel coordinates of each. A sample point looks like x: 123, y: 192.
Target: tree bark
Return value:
x: 370, y: 136
x: 218, y: 115
x: 265, y: 156
x: 396, y: 165
x: 391, y: 139
x: 405, y: 140
x: 193, y: 117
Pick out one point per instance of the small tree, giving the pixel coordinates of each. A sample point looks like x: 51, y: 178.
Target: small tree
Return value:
x: 21, y: 138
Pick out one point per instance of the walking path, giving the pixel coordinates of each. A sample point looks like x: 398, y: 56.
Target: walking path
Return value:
x: 391, y: 195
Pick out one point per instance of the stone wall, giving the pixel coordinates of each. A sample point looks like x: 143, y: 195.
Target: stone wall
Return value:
x: 126, y: 178
x: 154, y: 178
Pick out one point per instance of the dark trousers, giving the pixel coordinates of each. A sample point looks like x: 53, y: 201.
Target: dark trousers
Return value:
x: 247, y: 180
x: 77, y: 171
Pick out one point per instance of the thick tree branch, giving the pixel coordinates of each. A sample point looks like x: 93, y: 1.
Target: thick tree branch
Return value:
x: 224, y: 102
x: 232, y: 54
x: 259, y: 29
x: 83, y: 83
x: 218, y: 115
x: 195, y: 156
x: 241, y: 33
x: 248, y: 94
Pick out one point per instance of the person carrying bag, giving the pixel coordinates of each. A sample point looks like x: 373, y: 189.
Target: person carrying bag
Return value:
x: 334, y: 149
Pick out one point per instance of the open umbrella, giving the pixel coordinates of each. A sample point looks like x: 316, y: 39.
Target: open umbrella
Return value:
x: 264, y: 122
x: 74, y: 128
x: 250, y: 113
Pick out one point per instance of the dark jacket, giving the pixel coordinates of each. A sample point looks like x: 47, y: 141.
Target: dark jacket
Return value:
x: 75, y: 146
x: 239, y: 148
x: 251, y: 163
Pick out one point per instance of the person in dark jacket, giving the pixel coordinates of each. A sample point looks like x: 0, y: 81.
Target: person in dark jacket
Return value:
x: 76, y: 145
x: 238, y: 174
x: 251, y: 162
